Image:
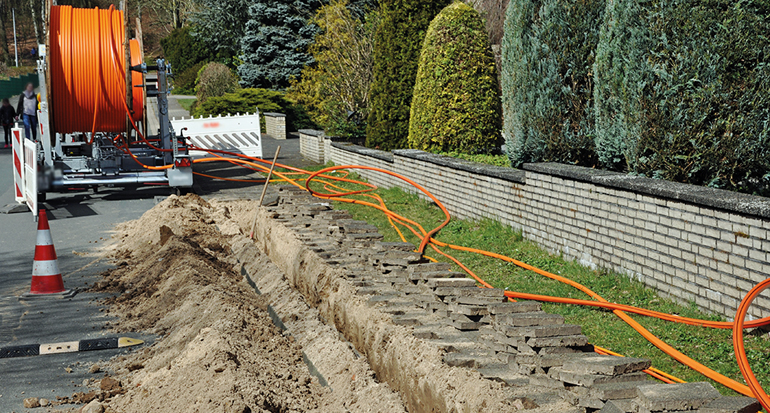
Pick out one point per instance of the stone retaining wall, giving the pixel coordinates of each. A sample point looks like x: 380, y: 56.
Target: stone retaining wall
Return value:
x: 275, y: 125
x: 690, y: 243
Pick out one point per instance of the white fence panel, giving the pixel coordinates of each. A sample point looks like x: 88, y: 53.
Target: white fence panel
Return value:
x: 239, y: 133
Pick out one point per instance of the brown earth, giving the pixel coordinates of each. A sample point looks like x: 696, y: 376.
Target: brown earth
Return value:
x: 218, y: 351
x: 217, y: 348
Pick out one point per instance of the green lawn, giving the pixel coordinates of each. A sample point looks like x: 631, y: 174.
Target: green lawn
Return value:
x: 186, y: 103
x: 711, y: 347
x: 497, y: 160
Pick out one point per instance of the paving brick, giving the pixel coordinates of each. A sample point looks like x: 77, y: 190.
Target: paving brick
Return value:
x: 589, y: 380
x: 559, y: 341
x: 613, y: 406
x: 541, y: 331
x: 430, y: 267
x: 469, y: 310
x: 451, y: 282
x: 727, y: 404
x: 529, y: 319
x: 517, y: 307
x: 608, y: 365
x: 611, y: 391
x: 679, y: 396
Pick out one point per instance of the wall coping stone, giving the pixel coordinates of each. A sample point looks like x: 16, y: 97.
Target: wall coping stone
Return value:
x: 274, y: 114
x: 500, y: 172
x: 311, y: 132
x: 374, y: 153
x: 712, y: 197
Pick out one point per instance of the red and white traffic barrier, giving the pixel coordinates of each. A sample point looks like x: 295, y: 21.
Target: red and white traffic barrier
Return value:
x: 17, y: 136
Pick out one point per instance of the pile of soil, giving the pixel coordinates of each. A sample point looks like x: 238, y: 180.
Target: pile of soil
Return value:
x: 218, y: 350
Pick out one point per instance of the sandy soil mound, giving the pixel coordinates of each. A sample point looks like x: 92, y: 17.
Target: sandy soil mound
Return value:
x: 218, y: 351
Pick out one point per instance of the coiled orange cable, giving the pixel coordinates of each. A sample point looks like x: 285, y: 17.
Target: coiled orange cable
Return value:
x: 87, y: 93
x: 88, y: 78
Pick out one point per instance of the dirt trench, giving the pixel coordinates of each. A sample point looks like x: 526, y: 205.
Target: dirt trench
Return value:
x: 218, y: 350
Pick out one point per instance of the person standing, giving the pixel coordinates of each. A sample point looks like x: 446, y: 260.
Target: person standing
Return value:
x: 27, y: 109
x: 6, y: 119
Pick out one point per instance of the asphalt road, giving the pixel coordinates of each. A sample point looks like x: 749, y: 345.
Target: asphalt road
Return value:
x: 81, y: 223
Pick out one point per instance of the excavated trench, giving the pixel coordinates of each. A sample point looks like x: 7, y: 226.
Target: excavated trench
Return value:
x: 318, y: 314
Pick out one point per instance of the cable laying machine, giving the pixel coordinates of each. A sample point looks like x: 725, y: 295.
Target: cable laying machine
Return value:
x: 92, y: 112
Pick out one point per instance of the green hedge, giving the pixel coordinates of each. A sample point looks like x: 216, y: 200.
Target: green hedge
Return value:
x: 247, y: 100
x: 683, y: 91
x: 547, y: 58
x: 397, y: 44
x: 183, y: 50
x: 456, y: 105
x: 184, y: 82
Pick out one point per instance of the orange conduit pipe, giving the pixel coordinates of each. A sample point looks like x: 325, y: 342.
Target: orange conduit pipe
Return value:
x: 427, y: 238
x: 87, y: 92
x: 740, y: 351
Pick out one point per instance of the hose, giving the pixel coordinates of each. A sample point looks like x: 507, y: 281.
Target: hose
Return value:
x: 88, y: 75
x: 426, y: 238
x: 85, y: 66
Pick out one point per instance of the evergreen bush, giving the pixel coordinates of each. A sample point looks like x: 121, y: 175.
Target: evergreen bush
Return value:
x: 183, y: 50
x: 397, y: 45
x: 335, y: 90
x: 274, y: 46
x: 547, y: 82
x: 683, y: 91
x: 456, y: 105
x: 220, y: 25
x: 184, y: 82
x: 248, y: 100
x: 214, y: 79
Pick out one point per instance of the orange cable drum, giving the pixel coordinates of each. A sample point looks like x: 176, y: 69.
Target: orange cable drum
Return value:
x: 88, y: 86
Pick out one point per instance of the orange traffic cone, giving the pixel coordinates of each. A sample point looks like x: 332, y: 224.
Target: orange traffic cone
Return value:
x: 46, y: 277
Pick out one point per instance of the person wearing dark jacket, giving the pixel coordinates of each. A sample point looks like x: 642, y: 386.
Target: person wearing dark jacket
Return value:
x: 27, y: 110
x: 6, y: 119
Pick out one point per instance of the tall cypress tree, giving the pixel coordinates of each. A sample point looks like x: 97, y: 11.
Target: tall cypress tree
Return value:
x: 274, y: 47
x: 456, y: 104
x: 397, y: 48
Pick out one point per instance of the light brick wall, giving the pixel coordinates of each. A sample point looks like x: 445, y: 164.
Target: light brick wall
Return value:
x: 686, y: 250
x: 311, y: 145
x: 275, y: 125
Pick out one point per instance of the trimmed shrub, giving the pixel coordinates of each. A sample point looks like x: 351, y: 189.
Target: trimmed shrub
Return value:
x: 456, y: 106
x: 547, y: 82
x: 335, y: 90
x: 248, y: 100
x: 274, y: 46
x: 214, y: 79
x: 220, y: 24
x: 683, y: 92
x: 397, y: 46
x: 184, y: 82
x: 183, y: 50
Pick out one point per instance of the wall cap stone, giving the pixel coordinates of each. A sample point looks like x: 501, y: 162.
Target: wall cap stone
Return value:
x: 700, y: 195
x: 500, y: 172
x: 310, y: 132
x: 274, y: 114
x: 374, y: 153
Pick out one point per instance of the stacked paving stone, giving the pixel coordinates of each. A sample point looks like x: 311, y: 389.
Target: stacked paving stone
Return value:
x: 537, y: 354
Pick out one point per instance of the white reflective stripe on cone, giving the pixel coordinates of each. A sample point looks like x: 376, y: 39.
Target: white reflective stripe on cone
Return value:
x: 44, y: 237
x: 43, y: 268
x: 65, y: 347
